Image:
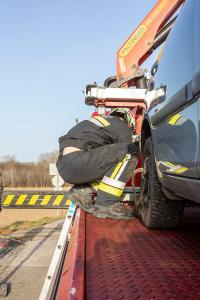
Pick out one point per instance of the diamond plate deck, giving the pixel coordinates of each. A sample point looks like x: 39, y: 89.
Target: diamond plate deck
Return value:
x: 125, y: 260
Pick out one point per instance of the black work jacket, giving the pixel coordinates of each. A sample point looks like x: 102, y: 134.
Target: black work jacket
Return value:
x: 97, y: 132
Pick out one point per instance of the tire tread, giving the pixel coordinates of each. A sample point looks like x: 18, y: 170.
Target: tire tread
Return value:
x: 161, y: 213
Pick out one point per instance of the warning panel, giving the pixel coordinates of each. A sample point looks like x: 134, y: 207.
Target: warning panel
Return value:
x: 36, y: 199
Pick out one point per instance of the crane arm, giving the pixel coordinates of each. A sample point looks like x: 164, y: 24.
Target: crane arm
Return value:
x: 142, y: 41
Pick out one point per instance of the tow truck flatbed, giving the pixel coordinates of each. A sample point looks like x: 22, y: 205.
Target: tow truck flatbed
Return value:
x: 112, y: 259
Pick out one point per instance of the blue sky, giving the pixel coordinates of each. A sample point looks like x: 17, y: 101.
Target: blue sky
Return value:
x: 49, y: 50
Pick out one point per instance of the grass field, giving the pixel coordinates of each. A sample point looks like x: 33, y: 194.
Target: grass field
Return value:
x: 26, y: 225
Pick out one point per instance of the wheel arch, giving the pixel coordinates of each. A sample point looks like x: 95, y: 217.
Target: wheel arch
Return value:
x: 145, y: 132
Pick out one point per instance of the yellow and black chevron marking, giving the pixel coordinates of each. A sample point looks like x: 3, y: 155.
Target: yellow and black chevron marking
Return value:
x: 34, y: 200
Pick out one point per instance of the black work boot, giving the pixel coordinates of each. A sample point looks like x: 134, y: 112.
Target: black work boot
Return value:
x: 83, y: 195
x: 113, y: 211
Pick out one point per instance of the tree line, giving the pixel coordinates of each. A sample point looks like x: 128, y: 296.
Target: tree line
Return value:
x: 27, y: 174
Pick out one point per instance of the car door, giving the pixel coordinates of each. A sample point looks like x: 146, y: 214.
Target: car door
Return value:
x: 174, y: 117
x: 196, y: 79
x: 198, y: 154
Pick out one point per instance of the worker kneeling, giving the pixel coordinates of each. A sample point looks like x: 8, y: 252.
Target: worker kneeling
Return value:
x: 98, y: 157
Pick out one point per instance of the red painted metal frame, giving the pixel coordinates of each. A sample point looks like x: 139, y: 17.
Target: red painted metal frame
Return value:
x: 118, y: 103
x: 72, y: 281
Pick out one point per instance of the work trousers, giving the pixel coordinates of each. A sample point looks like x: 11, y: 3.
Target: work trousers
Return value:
x: 108, y: 168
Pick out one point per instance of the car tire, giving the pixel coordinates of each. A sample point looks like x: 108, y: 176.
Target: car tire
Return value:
x: 153, y: 207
